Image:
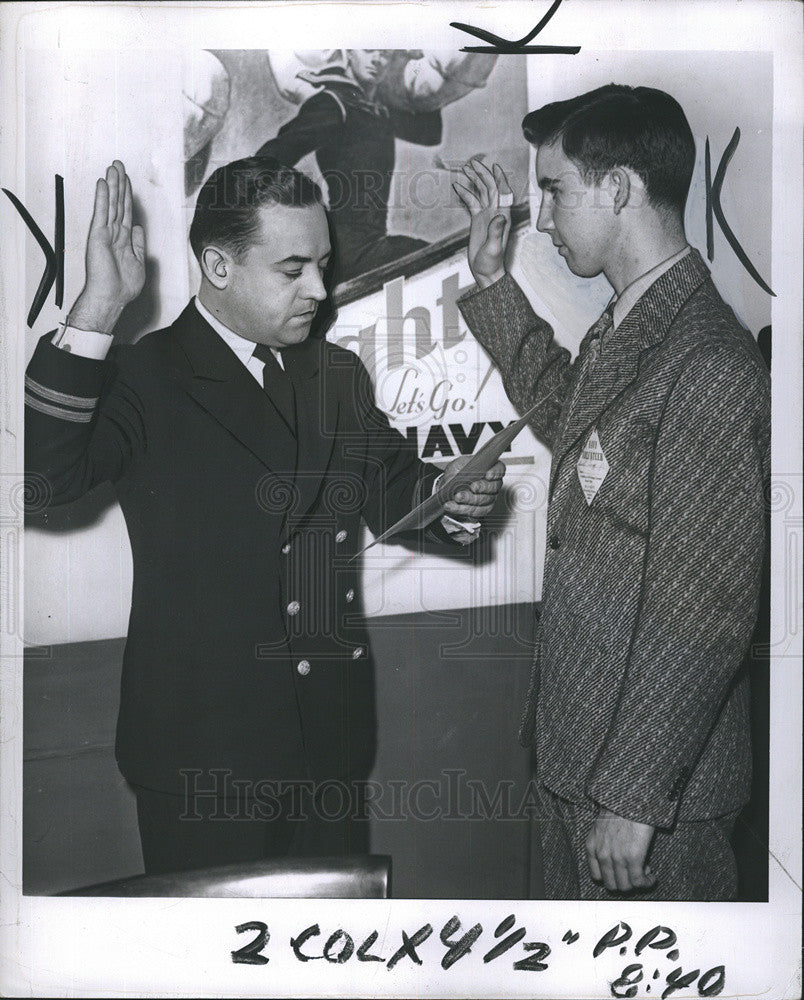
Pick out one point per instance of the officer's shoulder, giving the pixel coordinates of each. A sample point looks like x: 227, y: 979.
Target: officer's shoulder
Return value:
x: 328, y: 102
x: 154, y: 350
x: 340, y: 358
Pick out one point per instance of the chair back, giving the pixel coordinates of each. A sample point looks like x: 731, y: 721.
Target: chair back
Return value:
x: 362, y: 876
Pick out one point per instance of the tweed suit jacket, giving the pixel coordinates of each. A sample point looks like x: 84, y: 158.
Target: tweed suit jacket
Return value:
x: 639, y: 700
x: 246, y: 650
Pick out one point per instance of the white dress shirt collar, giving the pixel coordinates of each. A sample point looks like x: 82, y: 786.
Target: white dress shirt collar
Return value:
x: 244, y: 349
x: 628, y: 298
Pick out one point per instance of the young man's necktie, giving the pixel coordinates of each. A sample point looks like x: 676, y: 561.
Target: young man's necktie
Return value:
x: 597, y: 332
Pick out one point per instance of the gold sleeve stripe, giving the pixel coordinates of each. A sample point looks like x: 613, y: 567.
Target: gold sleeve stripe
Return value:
x: 58, y: 411
x: 79, y: 402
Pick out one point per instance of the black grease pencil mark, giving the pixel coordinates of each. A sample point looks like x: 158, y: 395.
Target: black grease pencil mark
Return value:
x: 713, y: 191
x: 54, y: 255
x: 504, y: 46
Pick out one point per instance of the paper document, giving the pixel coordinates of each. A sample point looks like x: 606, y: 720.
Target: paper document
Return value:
x: 477, y: 466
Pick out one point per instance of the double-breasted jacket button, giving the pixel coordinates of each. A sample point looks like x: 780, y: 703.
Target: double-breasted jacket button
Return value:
x: 294, y: 607
x: 303, y: 667
x: 350, y: 596
x: 286, y: 548
x: 341, y: 536
x: 357, y: 652
x: 555, y: 541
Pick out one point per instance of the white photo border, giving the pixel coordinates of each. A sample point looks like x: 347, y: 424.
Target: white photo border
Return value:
x: 167, y: 947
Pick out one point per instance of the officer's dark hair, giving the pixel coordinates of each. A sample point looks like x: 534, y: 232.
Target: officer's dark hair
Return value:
x: 620, y: 126
x: 227, y: 206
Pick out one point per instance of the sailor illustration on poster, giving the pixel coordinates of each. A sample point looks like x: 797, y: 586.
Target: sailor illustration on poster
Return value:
x: 349, y: 109
x: 362, y: 101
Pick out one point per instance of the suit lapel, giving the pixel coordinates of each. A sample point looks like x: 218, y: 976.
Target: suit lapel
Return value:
x: 219, y: 383
x: 624, y: 352
x: 607, y: 379
x: 317, y: 411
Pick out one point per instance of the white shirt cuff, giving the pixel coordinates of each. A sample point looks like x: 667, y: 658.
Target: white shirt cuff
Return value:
x: 84, y: 343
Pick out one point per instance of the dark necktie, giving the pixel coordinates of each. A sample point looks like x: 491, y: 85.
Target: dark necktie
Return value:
x: 594, y: 342
x: 597, y: 333
x: 277, y: 385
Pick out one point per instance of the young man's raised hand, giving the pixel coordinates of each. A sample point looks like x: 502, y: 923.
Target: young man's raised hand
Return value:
x: 488, y: 198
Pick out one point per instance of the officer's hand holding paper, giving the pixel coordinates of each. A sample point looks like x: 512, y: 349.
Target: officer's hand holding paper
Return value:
x: 475, y: 497
x: 471, y: 475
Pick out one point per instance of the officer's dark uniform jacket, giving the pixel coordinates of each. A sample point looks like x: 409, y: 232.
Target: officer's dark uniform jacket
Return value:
x: 245, y: 646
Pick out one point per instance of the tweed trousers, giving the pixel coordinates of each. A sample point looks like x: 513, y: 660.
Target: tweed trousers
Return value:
x: 692, y: 861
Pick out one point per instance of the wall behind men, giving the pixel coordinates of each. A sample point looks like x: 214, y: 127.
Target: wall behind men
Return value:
x: 82, y: 109
x: 77, y: 560
x: 78, y: 563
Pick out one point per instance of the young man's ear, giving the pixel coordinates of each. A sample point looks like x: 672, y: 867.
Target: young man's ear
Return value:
x: 620, y: 186
x: 216, y: 266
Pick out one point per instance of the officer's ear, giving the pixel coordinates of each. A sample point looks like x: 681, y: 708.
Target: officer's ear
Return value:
x: 620, y: 187
x: 216, y: 266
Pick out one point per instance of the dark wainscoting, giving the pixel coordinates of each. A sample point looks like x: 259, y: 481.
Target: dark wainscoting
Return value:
x: 449, y: 689
x: 450, y: 686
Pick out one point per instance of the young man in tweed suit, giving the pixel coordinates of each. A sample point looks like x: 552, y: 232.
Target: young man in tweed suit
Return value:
x: 660, y: 439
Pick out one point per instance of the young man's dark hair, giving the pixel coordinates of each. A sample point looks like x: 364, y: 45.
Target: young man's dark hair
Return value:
x: 226, y: 209
x: 620, y: 126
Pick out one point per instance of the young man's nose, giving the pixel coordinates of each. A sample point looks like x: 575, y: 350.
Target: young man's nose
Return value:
x: 544, y: 221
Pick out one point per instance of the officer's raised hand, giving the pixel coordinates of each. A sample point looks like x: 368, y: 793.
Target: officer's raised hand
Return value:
x: 115, y: 255
x: 488, y: 198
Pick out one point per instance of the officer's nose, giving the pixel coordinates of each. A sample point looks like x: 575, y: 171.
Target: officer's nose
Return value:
x: 314, y: 287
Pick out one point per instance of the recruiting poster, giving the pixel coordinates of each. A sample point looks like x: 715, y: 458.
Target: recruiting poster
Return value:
x: 617, y: 635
